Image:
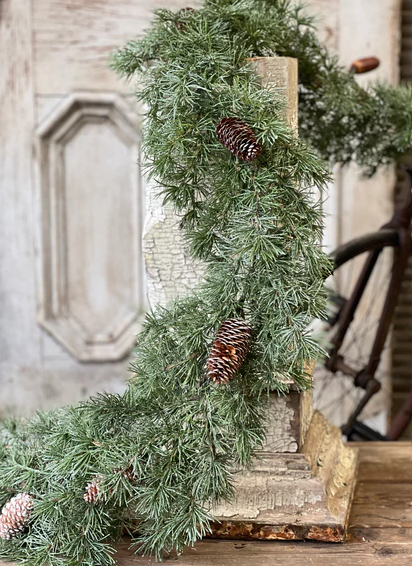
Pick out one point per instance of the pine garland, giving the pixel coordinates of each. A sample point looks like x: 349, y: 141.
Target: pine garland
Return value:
x: 257, y: 228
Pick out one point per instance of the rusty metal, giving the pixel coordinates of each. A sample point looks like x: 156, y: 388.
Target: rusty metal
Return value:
x: 401, y: 419
x: 365, y: 377
x: 250, y: 530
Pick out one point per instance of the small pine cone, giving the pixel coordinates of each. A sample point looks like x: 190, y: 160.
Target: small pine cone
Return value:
x: 128, y: 473
x: 238, y: 138
x: 15, y: 515
x: 229, y: 349
x: 188, y: 10
x: 92, y: 490
x: 181, y: 25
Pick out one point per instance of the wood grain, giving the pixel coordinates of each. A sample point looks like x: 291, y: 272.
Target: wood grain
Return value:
x: 387, y: 461
x: 382, y: 505
x: 227, y: 553
x: 17, y: 286
x: 73, y: 40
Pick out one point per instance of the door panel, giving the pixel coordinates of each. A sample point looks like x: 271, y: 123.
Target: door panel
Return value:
x: 72, y: 283
x: 91, y: 274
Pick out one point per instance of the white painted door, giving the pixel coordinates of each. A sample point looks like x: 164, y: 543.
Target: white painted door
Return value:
x: 72, y: 282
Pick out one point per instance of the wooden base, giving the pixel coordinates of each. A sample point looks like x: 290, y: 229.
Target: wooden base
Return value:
x: 305, y: 495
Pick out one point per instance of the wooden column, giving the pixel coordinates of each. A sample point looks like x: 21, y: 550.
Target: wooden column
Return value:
x: 302, y: 483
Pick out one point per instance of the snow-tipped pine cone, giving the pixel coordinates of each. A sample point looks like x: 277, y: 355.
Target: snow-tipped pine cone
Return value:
x: 228, y: 350
x: 15, y: 515
x: 238, y: 138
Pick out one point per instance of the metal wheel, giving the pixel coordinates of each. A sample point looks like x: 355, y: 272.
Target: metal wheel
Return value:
x: 338, y: 387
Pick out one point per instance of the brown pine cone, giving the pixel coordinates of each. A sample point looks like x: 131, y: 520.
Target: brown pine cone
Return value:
x: 15, y: 515
x: 128, y: 473
x: 238, y: 138
x: 229, y: 350
x: 93, y: 490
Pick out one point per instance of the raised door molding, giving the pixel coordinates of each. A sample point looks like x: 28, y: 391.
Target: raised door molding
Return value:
x: 91, y: 282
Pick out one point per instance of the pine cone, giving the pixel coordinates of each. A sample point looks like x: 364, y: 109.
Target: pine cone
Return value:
x: 188, y: 10
x: 128, y: 473
x: 15, y: 515
x: 181, y: 25
x: 92, y: 490
x: 238, y: 138
x: 229, y: 349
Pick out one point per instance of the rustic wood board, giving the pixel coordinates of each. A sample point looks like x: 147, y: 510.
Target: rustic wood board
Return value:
x: 382, y: 505
x: 394, y: 462
x: 263, y: 554
x: 380, y: 530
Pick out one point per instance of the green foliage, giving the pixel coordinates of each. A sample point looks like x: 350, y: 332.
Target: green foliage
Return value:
x: 257, y: 229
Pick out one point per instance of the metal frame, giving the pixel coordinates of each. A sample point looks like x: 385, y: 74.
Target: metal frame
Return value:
x: 365, y: 378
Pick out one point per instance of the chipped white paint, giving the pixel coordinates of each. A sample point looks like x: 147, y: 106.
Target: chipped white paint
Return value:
x: 170, y: 271
x: 263, y: 495
x: 282, y: 435
x: 312, y: 488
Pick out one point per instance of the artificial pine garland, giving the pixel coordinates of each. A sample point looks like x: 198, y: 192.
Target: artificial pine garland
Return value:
x: 256, y: 227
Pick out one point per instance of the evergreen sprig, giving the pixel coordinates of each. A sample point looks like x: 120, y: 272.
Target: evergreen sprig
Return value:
x: 165, y: 450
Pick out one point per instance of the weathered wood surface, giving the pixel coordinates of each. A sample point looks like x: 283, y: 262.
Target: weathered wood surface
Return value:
x: 91, y: 285
x: 170, y: 271
x: 305, y: 495
x: 288, y: 418
x: 18, y: 330
x: 393, y: 460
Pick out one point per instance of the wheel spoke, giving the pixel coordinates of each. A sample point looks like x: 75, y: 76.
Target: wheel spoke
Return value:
x: 335, y: 393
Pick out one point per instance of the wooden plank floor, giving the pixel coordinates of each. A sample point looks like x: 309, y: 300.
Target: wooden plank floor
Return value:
x: 380, y: 527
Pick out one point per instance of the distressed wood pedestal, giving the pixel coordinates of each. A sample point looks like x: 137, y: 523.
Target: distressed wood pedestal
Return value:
x: 302, y: 483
